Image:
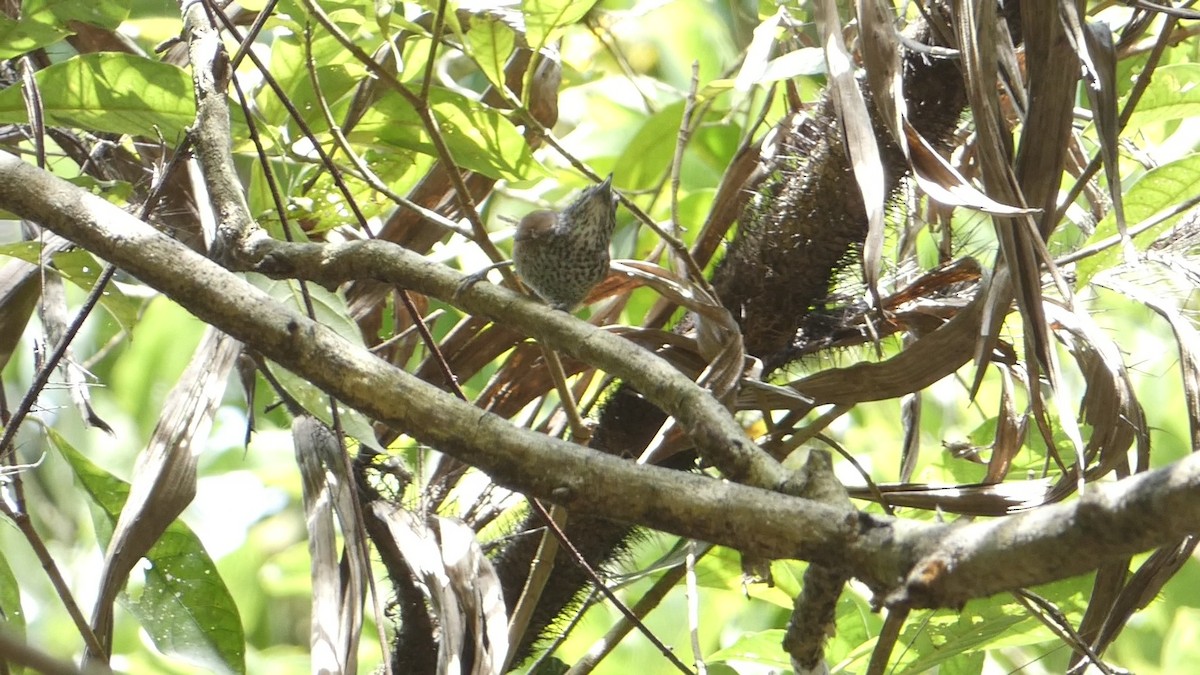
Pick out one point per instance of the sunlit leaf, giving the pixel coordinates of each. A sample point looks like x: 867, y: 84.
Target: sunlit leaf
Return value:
x: 1173, y: 94
x: 478, y: 138
x: 183, y: 605
x: 648, y: 156
x: 763, y: 648
x: 490, y: 41
x: 1160, y: 189
x: 544, y: 17
x: 103, y: 13
x: 20, y: 37
x: 117, y: 93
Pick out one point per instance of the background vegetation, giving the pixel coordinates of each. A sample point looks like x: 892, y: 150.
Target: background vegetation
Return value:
x: 105, y: 89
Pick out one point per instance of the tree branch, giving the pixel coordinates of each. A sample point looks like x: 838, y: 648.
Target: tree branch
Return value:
x: 1055, y: 542
x: 517, y: 458
x: 913, y: 564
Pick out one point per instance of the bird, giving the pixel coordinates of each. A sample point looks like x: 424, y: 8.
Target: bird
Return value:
x: 562, y: 255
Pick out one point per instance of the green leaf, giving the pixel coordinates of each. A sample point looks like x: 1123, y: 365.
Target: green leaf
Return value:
x: 764, y: 648
x: 103, y: 13
x: 945, y: 637
x: 1159, y: 189
x: 110, y: 92
x: 82, y: 269
x: 29, y: 251
x: 19, y: 37
x: 1173, y: 94
x: 11, y: 614
x: 544, y: 18
x: 856, y: 623
x: 490, y: 42
x: 479, y: 138
x: 648, y: 156
x: 184, y: 604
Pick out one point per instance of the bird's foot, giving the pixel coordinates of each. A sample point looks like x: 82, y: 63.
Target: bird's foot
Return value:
x: 476, y: 277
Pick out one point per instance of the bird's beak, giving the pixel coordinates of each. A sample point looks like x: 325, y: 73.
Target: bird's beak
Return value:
x: 605, y: 188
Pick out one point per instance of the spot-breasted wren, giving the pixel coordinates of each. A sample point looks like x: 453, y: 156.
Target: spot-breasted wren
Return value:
x: 563, y: 255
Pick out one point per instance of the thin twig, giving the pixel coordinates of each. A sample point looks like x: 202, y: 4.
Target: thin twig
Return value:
x: 421, y: 107
x: 13, y: 650
x: 541, y: 567
x: 61, y: 587
x: 681, y: 141
x: 650, y: 600
x: 603, y: 587
x: 1060, y: 625
x: 41, y: 379
x: 536, y: 666
x: 579, y: 431
x: 1115, y: 239
x: 439, y: 24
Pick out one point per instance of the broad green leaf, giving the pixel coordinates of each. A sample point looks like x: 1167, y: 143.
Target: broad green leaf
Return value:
x: 19, y: 37
x: 764, y: 648
x: 337, y: 72
x: 933, y: 639
x: 945, y: 636
x: 1161, y: 188
x: 184, y: 604
x: 11, y: 614
x: 1173, y: 94
x: 856, y: 623
x: 22, y: 250
x: 648, y: 156
x: 111, y: 92
x: 490, y: 42
x: 103, y: 13
x: 543, y: 18
x: 963, y: 664
x: 82, y: 269
x: 479, y: 139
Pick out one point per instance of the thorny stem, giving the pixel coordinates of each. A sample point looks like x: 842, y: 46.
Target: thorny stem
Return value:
x: 603, y: 587
x: 650, y: 600
x: 541, y: 566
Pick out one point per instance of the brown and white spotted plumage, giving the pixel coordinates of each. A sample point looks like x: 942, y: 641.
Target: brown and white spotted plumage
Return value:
x: 563, y: 255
